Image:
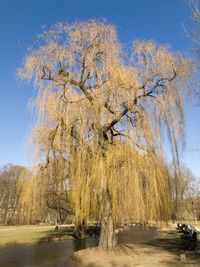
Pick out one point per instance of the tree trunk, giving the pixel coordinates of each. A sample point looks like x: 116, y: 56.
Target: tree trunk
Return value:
x: 193, y: 212
x: 80, y: 230
x: 107, y: 237
x: 175, y: 211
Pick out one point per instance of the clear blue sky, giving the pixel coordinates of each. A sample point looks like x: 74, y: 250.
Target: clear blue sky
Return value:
x: 20, y: 20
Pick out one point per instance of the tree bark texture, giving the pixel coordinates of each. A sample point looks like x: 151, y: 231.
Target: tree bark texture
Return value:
x: 107, y: 237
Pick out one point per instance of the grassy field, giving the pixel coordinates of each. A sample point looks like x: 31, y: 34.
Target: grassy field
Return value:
x: 11, y: 235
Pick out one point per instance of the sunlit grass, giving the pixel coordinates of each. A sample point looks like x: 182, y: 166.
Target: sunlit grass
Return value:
x: 11, y: 235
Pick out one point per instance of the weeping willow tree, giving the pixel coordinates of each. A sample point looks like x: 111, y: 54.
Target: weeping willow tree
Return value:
x: 102, y: 113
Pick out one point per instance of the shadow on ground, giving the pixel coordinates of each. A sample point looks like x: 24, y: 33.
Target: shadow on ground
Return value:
x: 176, y: 246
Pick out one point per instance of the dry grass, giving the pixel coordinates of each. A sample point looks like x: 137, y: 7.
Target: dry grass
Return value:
x: 135, y: 256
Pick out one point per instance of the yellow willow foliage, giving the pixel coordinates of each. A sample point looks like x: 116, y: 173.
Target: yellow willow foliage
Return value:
x: 138, y: 184
x: 102, y: 113
x: 26, y: 204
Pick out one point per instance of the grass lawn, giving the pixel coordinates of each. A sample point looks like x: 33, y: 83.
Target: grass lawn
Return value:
x: 11, y: 235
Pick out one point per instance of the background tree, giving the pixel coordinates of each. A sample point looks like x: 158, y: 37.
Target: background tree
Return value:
x: 102, y: 112
x: 25, y: 198
x: 54, y: 193
x: 10, y: 192
x: 181, y: 185
x: 193, y: 200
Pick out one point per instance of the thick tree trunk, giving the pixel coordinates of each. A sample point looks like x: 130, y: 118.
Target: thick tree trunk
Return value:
x: 107, y: 237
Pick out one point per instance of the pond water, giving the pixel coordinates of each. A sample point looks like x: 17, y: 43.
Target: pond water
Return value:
x: 59, y: 254
x: 136, y: 235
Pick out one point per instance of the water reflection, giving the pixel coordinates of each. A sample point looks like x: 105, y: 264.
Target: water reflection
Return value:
x: 137, y: 235
x: 57, y: 254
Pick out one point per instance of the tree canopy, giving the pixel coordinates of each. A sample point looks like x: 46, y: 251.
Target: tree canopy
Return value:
x: 103, y: 110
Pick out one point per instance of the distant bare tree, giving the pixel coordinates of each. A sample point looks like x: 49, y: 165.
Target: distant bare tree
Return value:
x: 180, y: 189
x: 10, y: 190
